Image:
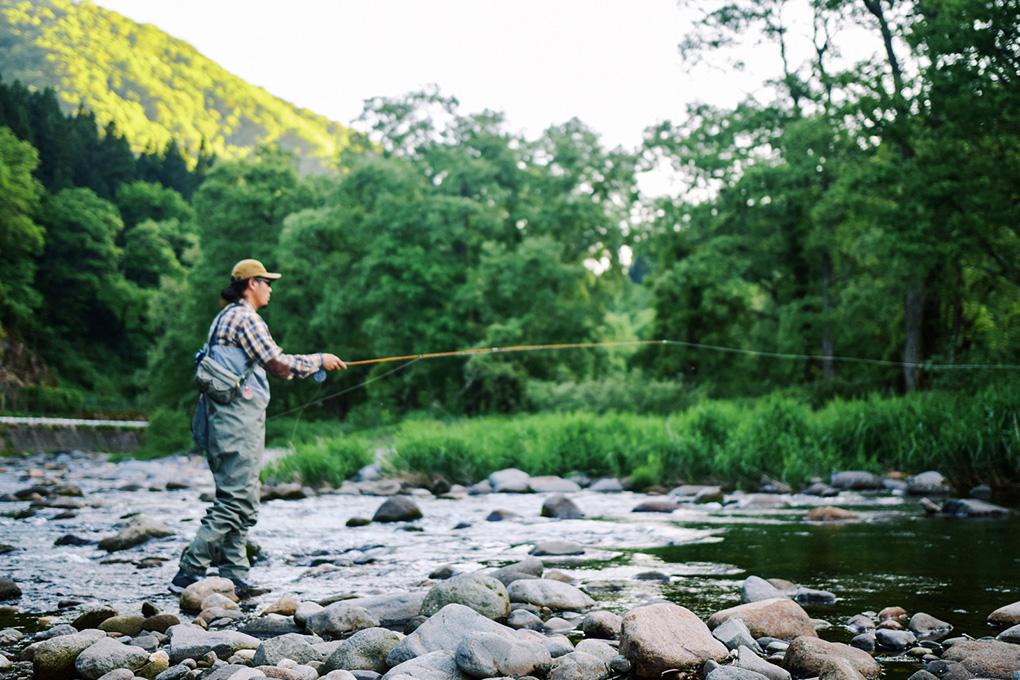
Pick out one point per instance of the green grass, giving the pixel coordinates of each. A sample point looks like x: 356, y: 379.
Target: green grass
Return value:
x: 969, y: 438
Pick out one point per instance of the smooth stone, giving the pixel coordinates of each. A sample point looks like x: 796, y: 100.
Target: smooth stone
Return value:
x: 855, y: 479
x: 552, y: 484
x: 748, y: 659
x: 366, y: 650
x: 734, y: 634
x: 664, y: 636
x: 443, y: 631
x: 510, y: 480
x: 487, y: 655
x: 290, y: 646
x: 556, y: 548
x: 554, y: 595
x: 602, y: 625
x: 485, y: 594
x: 756, y: 589
x: 806, y: 656
x: 106, y: 655
x: 985, y: 658
x: 339, y: 619
x: 136, y: 531
x: 926, y: 625
x: 559, y: 506
x: 397, y: 509
x: 438, y: 665
x: 779, y: 617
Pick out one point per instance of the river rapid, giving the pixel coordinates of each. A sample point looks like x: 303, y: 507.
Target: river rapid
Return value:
x: 696, y: 556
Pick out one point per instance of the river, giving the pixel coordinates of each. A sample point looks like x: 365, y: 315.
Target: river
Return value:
x: 894, y: 554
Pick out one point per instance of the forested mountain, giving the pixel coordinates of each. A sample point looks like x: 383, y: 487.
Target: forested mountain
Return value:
x: 154, y: 87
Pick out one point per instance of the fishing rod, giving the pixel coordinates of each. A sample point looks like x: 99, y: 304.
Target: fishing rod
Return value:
x: 493, y: 350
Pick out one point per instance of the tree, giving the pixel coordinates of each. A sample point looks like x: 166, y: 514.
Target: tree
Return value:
x: 21, y: 237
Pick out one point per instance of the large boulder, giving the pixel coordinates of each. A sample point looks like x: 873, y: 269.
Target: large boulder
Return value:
x: 438, y: 665
x: 54, y: 658
x: 394, y: 610
x: 108, y: 655
x: 444, y: 630
x: 490, y: 655
x: 397, y: 509
x: 550, y: 594
x: 559, y: 506
x: 777, y: 617
x: 659, y: 637
x: 510, y: 480
x: 366, y: 650
x: 806, y: 656
x: 1005, y: 617
x: 485, y: 594
x: 986, y: 658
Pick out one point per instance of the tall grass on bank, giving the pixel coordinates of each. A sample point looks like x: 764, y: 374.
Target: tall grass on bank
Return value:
x: 967, y: 438
x: 329, y: 461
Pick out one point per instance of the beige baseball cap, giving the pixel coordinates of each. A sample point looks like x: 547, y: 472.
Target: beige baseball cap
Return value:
x: 246, y: 269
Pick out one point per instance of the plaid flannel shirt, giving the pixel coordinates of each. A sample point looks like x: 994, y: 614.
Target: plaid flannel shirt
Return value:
x: 239, y: 325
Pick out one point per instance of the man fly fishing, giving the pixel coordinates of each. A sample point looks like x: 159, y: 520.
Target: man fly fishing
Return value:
x: 230, y: 424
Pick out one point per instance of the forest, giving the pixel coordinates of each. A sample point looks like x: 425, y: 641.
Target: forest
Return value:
x: 848, y: 232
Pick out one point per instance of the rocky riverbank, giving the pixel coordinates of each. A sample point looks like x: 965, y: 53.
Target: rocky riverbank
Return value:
x: 518, y: 577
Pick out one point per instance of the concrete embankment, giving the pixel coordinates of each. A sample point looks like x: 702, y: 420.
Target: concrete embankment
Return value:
x: 30, y: 435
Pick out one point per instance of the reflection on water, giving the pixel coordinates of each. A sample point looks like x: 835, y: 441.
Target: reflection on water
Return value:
x: 956, y: 570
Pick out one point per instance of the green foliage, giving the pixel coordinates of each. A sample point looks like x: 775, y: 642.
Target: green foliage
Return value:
x: 329, y: 461
x: 168, y: 432
x: 156, y: 88
x: 633, y: 392
x: 49, y: 400
x: 21, y: 238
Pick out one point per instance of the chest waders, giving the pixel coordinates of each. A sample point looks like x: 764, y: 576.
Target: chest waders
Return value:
x: 236, y: 435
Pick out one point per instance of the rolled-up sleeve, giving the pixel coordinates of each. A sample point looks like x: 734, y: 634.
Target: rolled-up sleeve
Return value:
x: 255, y: 339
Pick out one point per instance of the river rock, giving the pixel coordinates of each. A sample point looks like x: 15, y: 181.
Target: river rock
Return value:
x: 896, y: 640
x: 828, y: 513
x: 529, y: 567
x: 159, y: 623
x: 485, y: 594
x: 54, y: 659
x: 552, y: 484
x: 523, y: 619
x: 232, y: 672
x: 9, y: 590
x: 130, y: 625
x: 855, y: 479
x: 195, y: 594
x: 602, y: 625
x: 893, y: 613
x: 397, y: 509
x: 665, y: 506
x: 734, y: 634
x: 731, y: 673
x: 366, y: 650
x: 985, y: 658
x: 554, y: 595
x: 338, y: 619
x: 806, y: 655
x: 779, y: 618
x: 394, y: 610
x: 290, y: 646
x: 556, y: 548
x: 578, y: 666
x: 510, y: 480
x: 928, y: 483
x: 751, y: 661
x: 974, y: 508
x: 665, y: 636
x: 839, y: 669
x: 559, y: 506
x: 136, y: 531
x: 188, y: 641
x: 285, y: 606
x: 444, y: 630
x: 270, y: 625
x: 811, y: 596
x: 501, y: 515
x: 607, y: 485
x: 438, y: 665
x: 926, y: 625
x: 756, y: 589
x: 92, y: 615
x: 10, y: 637
x: 1006, y: 616
x: 489, y: 655
x: 106, y: 655
x: 866, y: 641
x: 1011, y: 635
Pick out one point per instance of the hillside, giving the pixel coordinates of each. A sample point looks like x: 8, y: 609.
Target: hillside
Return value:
x: 153, y: 86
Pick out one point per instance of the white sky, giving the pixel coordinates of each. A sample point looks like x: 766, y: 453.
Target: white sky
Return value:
x: 611, y: 63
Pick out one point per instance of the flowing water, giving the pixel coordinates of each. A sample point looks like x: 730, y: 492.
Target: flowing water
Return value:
x: 956, y: 570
